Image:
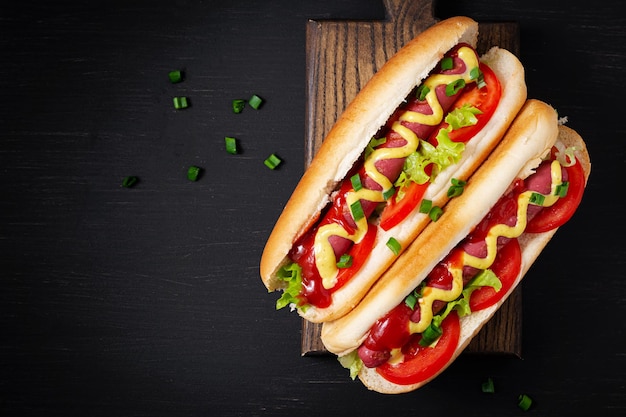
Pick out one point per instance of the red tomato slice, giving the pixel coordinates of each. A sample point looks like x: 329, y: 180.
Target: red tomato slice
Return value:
x: 558, y: 214
x: 359, y: 253
x: 429, y: 360
x: 506, y: 266
x: 486, y: 99
x: 396, y: 211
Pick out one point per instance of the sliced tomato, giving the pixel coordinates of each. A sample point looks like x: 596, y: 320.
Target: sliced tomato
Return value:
x: 558, y: 214
x: 428, y: 361
x: 485, y: 99
x: 359, y: 253
x: 396, y: 211
x: 506, y: 266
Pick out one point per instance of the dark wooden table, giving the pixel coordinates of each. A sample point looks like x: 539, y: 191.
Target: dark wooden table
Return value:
x: 146, y: 301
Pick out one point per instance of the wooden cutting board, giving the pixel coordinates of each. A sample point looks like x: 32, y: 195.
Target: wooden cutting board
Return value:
x: 341, y: 57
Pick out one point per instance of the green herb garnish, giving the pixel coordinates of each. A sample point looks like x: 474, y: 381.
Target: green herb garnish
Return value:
x: 272, y: 161
x: 524, y: 402
x: 537, y: 199
x: 238, y: 105
x: 356, y: 182
x: 488, y: 386
x: 175, y: 76
x: 180, y: 103
x: 454, y: 87
x: 394, y: 245
x: 345, y: 261
x: 357, y: 210
x: 231, y: 145
x: 193, y: 173
x: 255, y: 102
x: 457, y: 187
x: 129, y: 181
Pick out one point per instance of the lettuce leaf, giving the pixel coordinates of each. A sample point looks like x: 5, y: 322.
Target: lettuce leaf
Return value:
x: 353, y: 362
x: 373, y: 143
x: 443, y: 155
x: 446, y: 153
x: 463, y: 117
x: 292, y: 275
x: 485, y: 278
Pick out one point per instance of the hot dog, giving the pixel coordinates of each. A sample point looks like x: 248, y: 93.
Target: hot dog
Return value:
x: 428, y: 306
x: 431, y: 115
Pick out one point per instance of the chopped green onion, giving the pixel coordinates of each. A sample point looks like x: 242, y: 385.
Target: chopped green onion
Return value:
x: 561, y: 189
x: 180, y: 103
x: 357, y: 210
x: 537, y: 199
x: 454, y: 87
x: 387, y: 194
x: 394, y: 245
x: 458, y: 183
x: 422, y: 92
x: 435, y: 213
x: 238, y: 105
x: 425, y: 206
x: 447, y: 63
x: 488, y: 386
x: 193, y: 173
x: 411, y: 300
x: 129, y: 181
x: 432, y: 333
x: 345, y: 261
x: 255, y: 102
x: 175, y: 76
x: 457, y: 187
x: 475, y: 73
x: 524, y: 402
x: 373, y: 143
x: 231, y: 145
x: 272, y: 161
x: 480, y: 83
x: 356, y: 182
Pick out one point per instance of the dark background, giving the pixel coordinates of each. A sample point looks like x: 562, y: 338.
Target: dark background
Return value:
x: 147, y: 301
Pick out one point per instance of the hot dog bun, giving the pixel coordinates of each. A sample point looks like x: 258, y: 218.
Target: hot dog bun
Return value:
x: 532, y: 134
x: 346, y: 141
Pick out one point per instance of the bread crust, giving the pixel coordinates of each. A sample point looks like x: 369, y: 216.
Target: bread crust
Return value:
x: 531, y: 246
x: 363, y: 117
